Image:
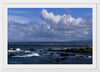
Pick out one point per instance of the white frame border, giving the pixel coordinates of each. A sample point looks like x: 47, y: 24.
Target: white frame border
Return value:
x: 45, y: 5
x: 55, y: 66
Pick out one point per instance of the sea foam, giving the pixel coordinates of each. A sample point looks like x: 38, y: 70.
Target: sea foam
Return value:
x: 27, y: 55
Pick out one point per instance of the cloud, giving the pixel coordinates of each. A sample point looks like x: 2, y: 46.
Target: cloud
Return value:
x: 49, y: 17
x: 65, y: 21
x: 56, y: 19
x: 57, y: 28
x: 86, y: 32
x: 19, y: 19
x: 10, y: 11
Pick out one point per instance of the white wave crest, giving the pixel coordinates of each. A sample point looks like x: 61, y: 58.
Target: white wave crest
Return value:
x: 14, y: 51
x: 27, y: 51
x: 89, y: 56
x: 27, y: 55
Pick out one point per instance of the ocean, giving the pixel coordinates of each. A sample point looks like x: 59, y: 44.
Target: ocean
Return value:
x: 44, y: 54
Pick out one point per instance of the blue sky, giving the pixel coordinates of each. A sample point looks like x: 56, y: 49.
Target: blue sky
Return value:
x: 49, y: 24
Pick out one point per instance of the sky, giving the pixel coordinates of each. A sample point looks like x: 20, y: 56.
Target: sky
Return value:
x: 49, y: 24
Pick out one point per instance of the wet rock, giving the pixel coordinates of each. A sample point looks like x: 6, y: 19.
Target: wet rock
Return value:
x: 11, y: 55
x: 88, y: 50
x: 75, y: 50
x: 82, y: 48
x: 64, y: 54
x: 89, y: 47
x: 49, y: 49
x: 51, y: 53
x: 63, y: 58
x: 32, y: 49
x: 72, y: 54
x: 11, y: 49
x: 40, y: 53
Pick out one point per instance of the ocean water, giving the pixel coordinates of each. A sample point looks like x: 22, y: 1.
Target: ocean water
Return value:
x: 24, y: 54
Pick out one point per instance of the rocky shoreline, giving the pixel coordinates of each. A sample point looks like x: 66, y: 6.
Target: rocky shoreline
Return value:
x: 85, y: 51
x: 75, y: 50
x: 55, y: 56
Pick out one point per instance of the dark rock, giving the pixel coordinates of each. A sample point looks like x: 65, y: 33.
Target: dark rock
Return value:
x: 49, y: 49
x: 11, y: 49
x: 89, y: 47
x: 40, y: 53
x: 64, y: 54
x: 51, y: 53
x: 81, y: 49
x: 63, y: 58
x: 88, y: 50
x: 72, y: 54
x: 75, y: 50
x: 32, y: 49
x: 12, y: 55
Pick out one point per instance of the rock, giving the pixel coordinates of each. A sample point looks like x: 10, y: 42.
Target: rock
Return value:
x: 49, y: 49
x: 64, y: 54
x: 72, y: 54
x: 81, y: 49
x: 75, y: 50
x: 12, y: 55
x: 40, y: 53
x: 11, y: 49
x: 89, y: 47
x: 88, y: 50
x: 63, y: 58
x: 51, y: 53
x: 32, y: 49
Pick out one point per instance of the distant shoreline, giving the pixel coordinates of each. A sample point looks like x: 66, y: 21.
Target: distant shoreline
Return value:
x: 50, y: 43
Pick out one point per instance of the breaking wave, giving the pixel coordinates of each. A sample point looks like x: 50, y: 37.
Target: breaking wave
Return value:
x: 14, y: 51
x: 27, y: 55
